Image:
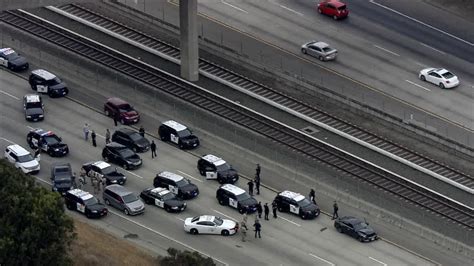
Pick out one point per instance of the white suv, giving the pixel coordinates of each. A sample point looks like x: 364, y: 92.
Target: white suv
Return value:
x: 22, y: 159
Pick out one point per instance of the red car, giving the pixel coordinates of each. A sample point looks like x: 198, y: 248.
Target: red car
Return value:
x: 121, y: 110
x: 333, y: 8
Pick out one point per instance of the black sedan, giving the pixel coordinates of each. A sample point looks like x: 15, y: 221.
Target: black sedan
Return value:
x: 163, y: 198
x: 121, y: 155
x: 356, y: 228
x: 132, y: 139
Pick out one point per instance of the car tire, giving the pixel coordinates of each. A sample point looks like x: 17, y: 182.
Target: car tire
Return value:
x: 106, y: 158
x: 194, y: 231
x: 360, y: 239
x: 122, y: 121
x: 107, y: 113
x: 335, y: 17
x: 422, y: 78
x: 338, y: 228
x: 107, y: 202
x: 168, y: 209
x: 181, y: 146
x: 88, y: 215
x: 225, y: 232
x: 125, y: 166
x: 69, y: 207
x: 201, y: 172
x: 441, y: 85
x: 303, y: 50
x: 163, y: 138
x: 303, y: 216
x: 280, y: 209
x: 321, y: 58
x: 221, y: 202
x: 241, y: 210
x: 135, y: 149
x: 126, y: 211
x: 320, y: 11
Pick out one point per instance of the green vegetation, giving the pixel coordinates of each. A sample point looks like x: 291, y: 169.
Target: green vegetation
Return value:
x: 184, y: 258
x: 34, y: 229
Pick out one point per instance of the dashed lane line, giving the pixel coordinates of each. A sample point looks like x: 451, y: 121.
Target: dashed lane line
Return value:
x: 386, y: 50
x: 432, y: 48
x: 383, y: 263
x: 235, y: 7
x: 290, y: 221
x: 10, y: 95
x: 419, y: 86
x: 321, y: 259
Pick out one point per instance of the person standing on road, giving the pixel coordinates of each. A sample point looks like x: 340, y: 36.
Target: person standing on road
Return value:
x: 94, y: 143
x: 335, y: 209
x: 258, y: 228
x: 259, y: 209
x: 312, y: 196
x: 153, y: 149
x: 142, y: 131
x: 257, y: 184
x: 244, y: 229
x: 267, y: 210
x: 107, y: 136
x: 274, y: 209
x: 257, y: 171
x: 73, y: 180
x: 85, y: 129
x: 250, y: 183
x: 115, y: 120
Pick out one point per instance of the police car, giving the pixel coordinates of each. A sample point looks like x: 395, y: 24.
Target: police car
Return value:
x: 11, y: 60
x: 163, y: 198
x: 213, y: 167
x: 296, y: 203
x: 45, y: 82
x: 33, y: 106
x: 22, y: 159
x: 47, y: 141
x: 237, y: 198
x: 210, y: 224
x: 176, y: 184
x: 178, y: 134
x: 85, y: 203
x: 101, y: 170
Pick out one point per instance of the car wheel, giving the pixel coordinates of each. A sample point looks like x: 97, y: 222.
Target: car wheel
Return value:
x: 335, y: 17
x: 441, y: 85
x: 162, y: 137
x: 194, y: 231
x: 225, y: 232
x: 280, y: 209
x: 422, y: 78
x: 180, y: 146
x: 126, y: 211
x: 106, y: 158
x: 122, y: 121
x: 107, y: 113
x: 125, y: 166
x: 69, y: 206
x: 168, y: 209
x: 360, y: 239
x: 339, y: 229
x: 321, y: 58
x: 135, y: 149
x: 303, y: 50
x: 107, y: 202
x: 303, y: 216
x: 202, y: 172
x: 221, y: 202
x: 221, y: 181
x: 320, y: 11
x: 88, y: 215
x: 241, y: 210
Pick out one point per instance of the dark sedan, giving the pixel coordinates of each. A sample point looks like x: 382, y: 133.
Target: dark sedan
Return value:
x: 121, y: 155
x: 163, y: 198
x: 61, y: 177
x: 356, y: 228
x: 132, y: 139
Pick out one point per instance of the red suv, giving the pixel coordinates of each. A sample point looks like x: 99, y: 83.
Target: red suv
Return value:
x: 333, y: 8
x: 121, y: 110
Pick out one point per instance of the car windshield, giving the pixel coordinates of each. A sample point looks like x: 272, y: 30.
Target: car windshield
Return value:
x: 223, y: 167
x: 242, y: 196
x: 51, y: 140
x: 135, y: 136
x: 184, y: 133
x: 33, y: 105
x: 341, y: 8
x: 304, y: 202
x: 129, y: 198
x: 108, y: 170
x: 25, y: 158
x: 126, y: 153
x: 62, y: 181
x: 168, y: 196
x: 448, y: 75
x: 91, y: 201
x: 125, y: 108
x: 360, y: 226
x: 327, y: 49
x: 218, y: 221
x: 195, y: 219
x: 53, y: 81
x: 182, y: 182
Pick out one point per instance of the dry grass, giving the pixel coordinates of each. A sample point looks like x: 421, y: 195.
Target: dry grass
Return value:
x: 95, y: 247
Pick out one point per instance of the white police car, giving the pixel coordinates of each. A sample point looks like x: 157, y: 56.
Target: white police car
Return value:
x: 22, y: 159
x: 45, y: 82
x: 236, y: 198
x: 11, y: 60
x: 210, y: 224
x: 33, y: 107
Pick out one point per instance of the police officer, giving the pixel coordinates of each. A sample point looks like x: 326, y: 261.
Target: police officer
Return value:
x: 335, y: 209
x: 274, y: 209
x: 257, y: 183
x: 312, y: 196
x: 243, y: 230
x: 259, y: 209
x: 250, y: 183
x: 153, y: 149
x: 258, y: 228
x: 267, y: 210
x: 142, y: 131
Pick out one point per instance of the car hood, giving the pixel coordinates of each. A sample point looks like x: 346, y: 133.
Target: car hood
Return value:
x: 30, y: 164
x: 59, y: 86
x: 189, y: 187
x: 63, y: 183
x: 20, y: 60
x: 190, y: 138
x: 367, y: 231
x: 96, y: 207
x: 130, y: 113
x: 59, y: 146
x: 114, y: 176
x: 34, y: 111
x: 310, y: 207
x: 175, y: 203
x: 249, y: 202
x: 134, y: 158
x: 143, y: 142
x: 135, y: 205
x: 228, y: 173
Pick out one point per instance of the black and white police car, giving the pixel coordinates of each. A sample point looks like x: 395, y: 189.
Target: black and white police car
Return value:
x: 45, y: 82
x: 163, y: 198
x: 34, y: 108
x: 101, y: 170
x: 85, y: 203
x: 11, y: 60
x: 47, y: 141
x: 178, y: 134
x: 288, y: 201
x: 177, y: 184
x: 237, y: 198
x: 213, y: 167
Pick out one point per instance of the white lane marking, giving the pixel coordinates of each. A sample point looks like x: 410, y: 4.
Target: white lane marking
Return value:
x: 422, y: 23
x: 100, y: 135
x: 290, y: 221
x: 431, y: 47
x: 181, y: 219
x: 384, y: 264
x: 328, y: 262
x: 413, y: 83
x: 291, y: 10
x: 190, y: 176
x: 223, y: 214
x: 8, y: 94
x: 165, y: 236
x: 7, y: 140
x: 420, y: 64
x: 131, y: 173
x: 31, y: 128
x: 386, y: 50
x: 238, y: 8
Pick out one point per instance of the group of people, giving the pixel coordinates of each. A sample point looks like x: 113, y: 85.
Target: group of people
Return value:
x: 255, y: 182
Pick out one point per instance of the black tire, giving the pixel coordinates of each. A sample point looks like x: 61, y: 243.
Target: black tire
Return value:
x: 106, y: 158
x: 135, y: 149
x: 125, y: 166
x: 280, y: 208
x: 321, y: 58
x: 422, y: 78
x: 180, y: 145
x: 168, y: 209
x: 338, y: 228
x: 360, y: 239
x: 220, y: 180
x: 221, y: 202
x: 242, y: 210
x: 441, y: 85
x: 163, y: 138
x: 320, y: 11
x: 106, y: 112
x: 202, y: 172
x: 88, y: 215
x: 107, y: 202
x: 69, y: 206
x: 122, y: 121
x: 194, y: 231
x: 126, y: 211
x: 303, y: 50
x: 303, y: 216
x: 225, y: 232
x: 335, y: 17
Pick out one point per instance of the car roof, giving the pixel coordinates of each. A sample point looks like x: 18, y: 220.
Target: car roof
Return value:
x: 126, y: 131
x: 336, y: 3
x: 350, y: 219
x: 233, y: 189
x: 213, y: 159
x: 175, y: 125
x: 60, y: 164
x: 117, y: 101
x: 320, y: 44
x: 44, y: 74
x: 441, y: 71
x: 32, y: 98
x: 18, y: 150
x: 115, y: 145
x: 120, y: 190
x: 171, y: 176
x: 292, y: 195
x: 42, y: 132
x: 6, y: 50
x: 160, y: 190
x: 101, y: 164
x: 206, y: 218
x: 84, y: 195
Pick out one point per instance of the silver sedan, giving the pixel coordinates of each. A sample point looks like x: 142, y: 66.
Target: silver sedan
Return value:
x: 320, y: 50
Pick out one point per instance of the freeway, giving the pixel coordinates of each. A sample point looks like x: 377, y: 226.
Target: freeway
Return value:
x: 285, y: 241
x: 378, y: 45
